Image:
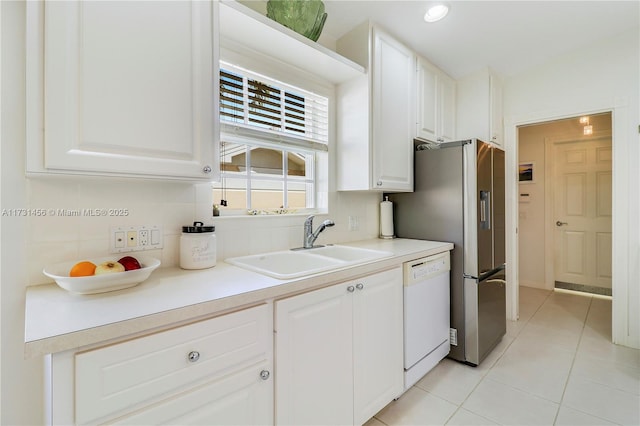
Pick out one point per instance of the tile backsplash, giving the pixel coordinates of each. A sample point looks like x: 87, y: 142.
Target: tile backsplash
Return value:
x: 57, y: 237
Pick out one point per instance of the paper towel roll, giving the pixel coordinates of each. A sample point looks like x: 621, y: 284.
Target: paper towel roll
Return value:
x: 386, y: 218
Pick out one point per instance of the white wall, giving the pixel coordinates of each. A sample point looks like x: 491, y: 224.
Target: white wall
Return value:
x: 531, y: 212
x: 30, y: 243
x: 21, y: 385
x: 604, y: 76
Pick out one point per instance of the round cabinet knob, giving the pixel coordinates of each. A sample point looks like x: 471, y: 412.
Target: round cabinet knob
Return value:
x: 359, y: 286
x: 351, y: 289
x: 379, y: 183
x: 440, y: 140
x: 193, y: 356
x: 264, y: 374
x: 206, y: 169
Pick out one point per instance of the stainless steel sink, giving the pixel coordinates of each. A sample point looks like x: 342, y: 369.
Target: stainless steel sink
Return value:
x: 293, y: 264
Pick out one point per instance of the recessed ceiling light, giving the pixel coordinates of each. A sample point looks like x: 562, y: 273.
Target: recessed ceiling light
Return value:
x: 436, y: 12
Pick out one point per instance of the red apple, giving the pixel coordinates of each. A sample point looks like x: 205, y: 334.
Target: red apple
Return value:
x: 109, y: 267
x: 130, y: 263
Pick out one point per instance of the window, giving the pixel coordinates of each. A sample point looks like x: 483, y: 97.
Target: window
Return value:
x: 271, y: 137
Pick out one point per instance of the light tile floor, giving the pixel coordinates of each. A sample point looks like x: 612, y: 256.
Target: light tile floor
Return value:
x: 555, y: 366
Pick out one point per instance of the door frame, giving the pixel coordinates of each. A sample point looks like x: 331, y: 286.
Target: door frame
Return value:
x: 620, y: 122
x: 549, y: 198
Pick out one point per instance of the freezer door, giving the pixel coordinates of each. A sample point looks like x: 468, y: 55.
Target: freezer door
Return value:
x: 486, y: 323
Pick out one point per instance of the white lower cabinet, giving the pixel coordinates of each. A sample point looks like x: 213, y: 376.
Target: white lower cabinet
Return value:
x: 339, y: 351
x: 217, y: 371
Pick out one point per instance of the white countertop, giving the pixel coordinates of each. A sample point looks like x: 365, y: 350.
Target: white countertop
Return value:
x: 57, y: 320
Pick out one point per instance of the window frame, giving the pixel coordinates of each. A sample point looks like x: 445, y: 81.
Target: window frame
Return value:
x: 287, y: 144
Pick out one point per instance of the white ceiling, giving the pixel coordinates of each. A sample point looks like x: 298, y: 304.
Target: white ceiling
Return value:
x: 508, y: 36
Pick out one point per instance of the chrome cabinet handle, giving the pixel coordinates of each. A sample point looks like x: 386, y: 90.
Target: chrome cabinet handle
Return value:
x: 379, y: 183
x: 206, y: 169
x: 193, y: 356
x: 351, y: 289
x: 264, y: 374
x: 359, y: 286
x: 558, y: 223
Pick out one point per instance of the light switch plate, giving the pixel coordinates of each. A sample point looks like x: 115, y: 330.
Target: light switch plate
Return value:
x: 124, y: 239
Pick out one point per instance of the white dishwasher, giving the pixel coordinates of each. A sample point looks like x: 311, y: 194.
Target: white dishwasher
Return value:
x: 426, y: 315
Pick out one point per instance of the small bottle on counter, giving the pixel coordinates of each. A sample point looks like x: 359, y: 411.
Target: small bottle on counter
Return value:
x: 198, y: 246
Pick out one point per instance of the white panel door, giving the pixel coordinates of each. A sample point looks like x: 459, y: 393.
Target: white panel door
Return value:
x: 313, y: 343
x: 393, y: 119
x: 378, y: 338
x: 582, y: 206
x: 130, y: 88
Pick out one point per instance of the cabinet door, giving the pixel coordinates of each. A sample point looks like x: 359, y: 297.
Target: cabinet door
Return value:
x: 428, y: 104
x: 378, y: 340
x: 244, y: 398
x: 313, y: 342
x: 393, y: 119
x: 447, y: 118
x: 436, y: 120
x: 129, y: 88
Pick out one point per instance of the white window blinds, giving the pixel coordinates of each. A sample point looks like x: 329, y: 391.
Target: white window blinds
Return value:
x: 271, y: 112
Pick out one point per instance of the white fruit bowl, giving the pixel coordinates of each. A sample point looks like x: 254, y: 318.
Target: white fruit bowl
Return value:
x: 103, y: 282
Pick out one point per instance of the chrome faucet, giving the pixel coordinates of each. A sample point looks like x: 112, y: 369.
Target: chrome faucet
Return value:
x: 310, y: 236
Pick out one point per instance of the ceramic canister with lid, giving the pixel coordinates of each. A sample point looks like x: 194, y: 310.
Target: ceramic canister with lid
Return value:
x: 197, y: 246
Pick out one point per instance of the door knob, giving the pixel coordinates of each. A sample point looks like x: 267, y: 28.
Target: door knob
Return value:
x: 558, y: 223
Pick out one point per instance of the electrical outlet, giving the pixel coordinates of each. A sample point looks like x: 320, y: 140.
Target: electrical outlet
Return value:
x: 143, y: 237
x: 135, y: 238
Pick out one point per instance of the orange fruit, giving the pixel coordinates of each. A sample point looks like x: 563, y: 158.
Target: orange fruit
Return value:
x: 82, y: 269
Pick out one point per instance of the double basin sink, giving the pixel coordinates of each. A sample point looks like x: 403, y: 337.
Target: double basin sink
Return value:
x: 297, y: 263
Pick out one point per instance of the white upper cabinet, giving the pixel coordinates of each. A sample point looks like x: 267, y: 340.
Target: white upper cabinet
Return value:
x: 125, y: 88
x: 376, y: 114
x: 479, y: 109
x: 436, y: 109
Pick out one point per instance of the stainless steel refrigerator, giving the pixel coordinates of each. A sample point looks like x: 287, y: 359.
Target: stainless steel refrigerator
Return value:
x: 460, y: 197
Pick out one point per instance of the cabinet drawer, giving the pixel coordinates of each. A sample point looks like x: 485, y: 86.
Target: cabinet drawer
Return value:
x: 133, y: 373
x: 242, y: 398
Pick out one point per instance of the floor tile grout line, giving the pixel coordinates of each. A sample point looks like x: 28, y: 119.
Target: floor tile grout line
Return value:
x: 573, y: 361
x: 484, y: 376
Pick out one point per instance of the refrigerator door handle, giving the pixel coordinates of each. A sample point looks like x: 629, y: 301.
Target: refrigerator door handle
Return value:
x: 484, y: 275
x: 485, y: 209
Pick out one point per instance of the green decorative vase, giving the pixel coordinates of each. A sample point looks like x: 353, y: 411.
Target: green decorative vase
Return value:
x: 306, y: 17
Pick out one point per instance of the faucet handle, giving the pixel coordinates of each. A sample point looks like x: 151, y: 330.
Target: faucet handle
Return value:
x: 309, y: 220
